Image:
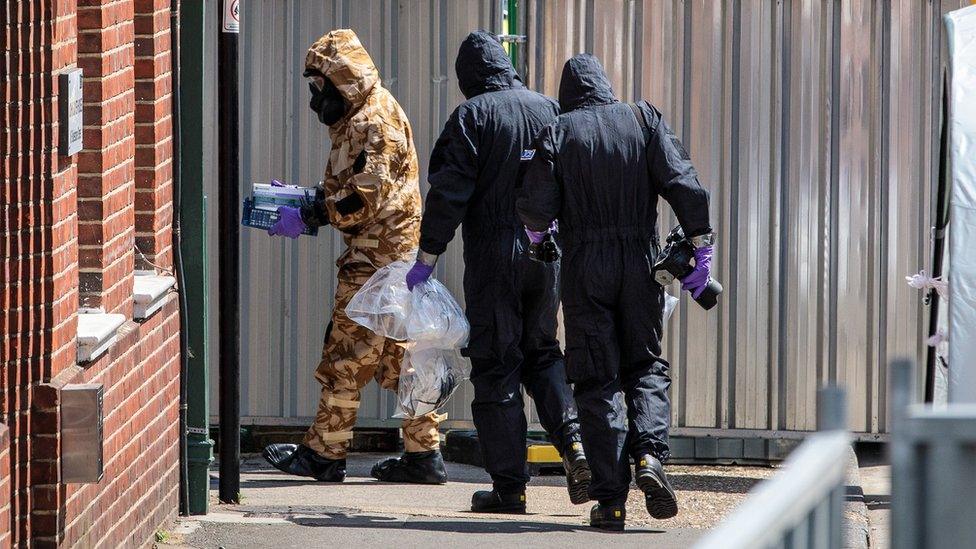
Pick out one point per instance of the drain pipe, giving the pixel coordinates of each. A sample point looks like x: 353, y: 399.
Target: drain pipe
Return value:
x: 174, y: 29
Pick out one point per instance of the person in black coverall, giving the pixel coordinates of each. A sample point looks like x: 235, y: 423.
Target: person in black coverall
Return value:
x: 511, y: 301
x: 599, y: 170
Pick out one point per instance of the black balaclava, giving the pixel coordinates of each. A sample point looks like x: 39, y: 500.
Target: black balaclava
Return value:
x: 328, y: 102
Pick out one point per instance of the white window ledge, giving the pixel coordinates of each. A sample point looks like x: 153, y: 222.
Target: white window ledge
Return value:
x: 149, y: 293
x: 96, y: 333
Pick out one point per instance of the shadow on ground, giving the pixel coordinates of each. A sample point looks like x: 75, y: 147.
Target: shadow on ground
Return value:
x: 707, y: 483
x: 480, y: 526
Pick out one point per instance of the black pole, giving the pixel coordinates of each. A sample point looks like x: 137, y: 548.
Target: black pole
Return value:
x: 174, y: 25
x: 938, y: 243
x: 229, y: 204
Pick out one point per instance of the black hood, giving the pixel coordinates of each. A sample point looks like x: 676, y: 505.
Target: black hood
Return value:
x: 483, y: 66
x: 584, y: 82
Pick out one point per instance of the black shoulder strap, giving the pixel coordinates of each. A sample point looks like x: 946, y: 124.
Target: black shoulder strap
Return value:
x: 641, y: 120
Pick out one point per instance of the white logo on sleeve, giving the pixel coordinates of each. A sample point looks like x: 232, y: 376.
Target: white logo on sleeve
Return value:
x: 528, y: 154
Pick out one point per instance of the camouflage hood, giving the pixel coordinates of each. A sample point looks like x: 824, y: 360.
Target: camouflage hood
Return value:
x: 341, y: 57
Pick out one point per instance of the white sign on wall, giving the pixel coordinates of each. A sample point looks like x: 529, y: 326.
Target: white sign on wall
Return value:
x: 70, y: 112
x: 232, y: 16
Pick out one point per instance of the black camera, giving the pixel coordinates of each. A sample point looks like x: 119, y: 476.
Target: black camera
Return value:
x: 546, y: 251
x: 677, y: 261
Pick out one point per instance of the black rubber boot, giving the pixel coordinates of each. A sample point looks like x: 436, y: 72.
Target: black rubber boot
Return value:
x: 661, y: 501
x: 491, y: 501
x: 413, y: 468
x: 296, y: 459
x: 608, y: 516
x: 577, y: 474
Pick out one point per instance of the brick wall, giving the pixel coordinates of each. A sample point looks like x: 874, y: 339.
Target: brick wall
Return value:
x: 139, y: 489
x: 38, y: 230
x: 154, y: 134
x: 106, y: 167
x: 69, y: 231
x: 5, y: 537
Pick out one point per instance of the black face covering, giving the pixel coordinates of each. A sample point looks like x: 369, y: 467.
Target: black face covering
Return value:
x: 327, y: 103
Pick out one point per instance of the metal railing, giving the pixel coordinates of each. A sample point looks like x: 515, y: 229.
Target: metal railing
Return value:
x: 933, y: 475
x: 802, y: 505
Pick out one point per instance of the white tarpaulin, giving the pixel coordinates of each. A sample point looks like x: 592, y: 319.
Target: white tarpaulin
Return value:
x: 961, y: 35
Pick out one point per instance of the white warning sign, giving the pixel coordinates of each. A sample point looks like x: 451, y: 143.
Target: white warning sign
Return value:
x: 232, y: 16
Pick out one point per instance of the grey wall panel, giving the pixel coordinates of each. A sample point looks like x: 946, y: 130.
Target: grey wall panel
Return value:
x: 804, y: 123
x: 810, y: 122
x: 750, y: 205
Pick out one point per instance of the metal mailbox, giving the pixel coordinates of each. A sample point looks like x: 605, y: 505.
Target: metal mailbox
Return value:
x: 81, y: 433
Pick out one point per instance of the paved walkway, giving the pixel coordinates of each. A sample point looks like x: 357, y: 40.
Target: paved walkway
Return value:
x: 280, y: 511
x: 876, y: 483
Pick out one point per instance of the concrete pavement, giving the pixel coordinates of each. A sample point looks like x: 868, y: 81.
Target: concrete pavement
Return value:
x: 279, y: 510
x: 876, y: 484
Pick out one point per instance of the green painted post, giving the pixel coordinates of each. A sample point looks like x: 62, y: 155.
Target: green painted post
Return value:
x: 513, y: 30
x: 194, y: 249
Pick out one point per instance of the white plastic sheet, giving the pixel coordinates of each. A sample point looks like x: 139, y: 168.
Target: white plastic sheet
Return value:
x: 961, y: 36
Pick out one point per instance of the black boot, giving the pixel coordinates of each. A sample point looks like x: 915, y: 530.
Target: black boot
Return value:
x: 608, y: 516
x: 491, y: 501
x: 412, y: 467
x: 661, y: 501
x: 297, y: 459
x: 577, y: 473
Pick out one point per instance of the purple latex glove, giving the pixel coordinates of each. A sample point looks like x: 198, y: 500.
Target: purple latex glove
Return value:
x: 289, y: 223
x: 698, y: 279
x: 276, y: 183
x: 536, y: 237
x: 418, y: 274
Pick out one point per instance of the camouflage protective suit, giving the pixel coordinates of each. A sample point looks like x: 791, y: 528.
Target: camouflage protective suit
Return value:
x: 373, y: 197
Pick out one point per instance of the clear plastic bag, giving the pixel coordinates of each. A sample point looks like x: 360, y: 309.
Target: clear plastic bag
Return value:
x: 435, y: 317
x: 428, y: 314
x: 670, y: 304
x: 428, y: 378
x: 434, y: 325
x: 383, y: 304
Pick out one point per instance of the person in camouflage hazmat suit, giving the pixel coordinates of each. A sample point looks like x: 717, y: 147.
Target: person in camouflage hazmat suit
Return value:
x: 371, y: 195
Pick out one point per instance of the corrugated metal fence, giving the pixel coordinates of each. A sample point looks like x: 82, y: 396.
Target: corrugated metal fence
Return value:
x: 812, y: 123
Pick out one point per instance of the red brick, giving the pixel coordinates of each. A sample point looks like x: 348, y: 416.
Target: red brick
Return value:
x: 100, y: 64
x: 105, y: 39
x: 101, y: 88
x: 39, y: 277
x: 148, y: 68
x: 152, y: 45
x: 151, y: 22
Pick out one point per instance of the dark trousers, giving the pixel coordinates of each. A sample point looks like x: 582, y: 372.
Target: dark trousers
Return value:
x: 499, y: 416
x: 622, y: 418
x: 511, y: 305
x: 613, y: 311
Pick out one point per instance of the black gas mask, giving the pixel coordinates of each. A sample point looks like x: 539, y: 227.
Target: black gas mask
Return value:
x: 326, y: 101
